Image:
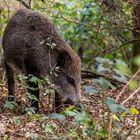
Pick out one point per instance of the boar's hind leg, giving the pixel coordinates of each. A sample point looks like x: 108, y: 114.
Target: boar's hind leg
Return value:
x: 10, y: 81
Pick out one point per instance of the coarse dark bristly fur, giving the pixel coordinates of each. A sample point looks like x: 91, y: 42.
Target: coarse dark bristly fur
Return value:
x: 32, y: 44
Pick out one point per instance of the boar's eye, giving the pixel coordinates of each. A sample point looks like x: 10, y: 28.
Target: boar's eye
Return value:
x: 71, y: 80
x: 32, y: 28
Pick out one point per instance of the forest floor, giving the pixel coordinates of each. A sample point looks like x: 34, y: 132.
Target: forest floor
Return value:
x: 17, y: 126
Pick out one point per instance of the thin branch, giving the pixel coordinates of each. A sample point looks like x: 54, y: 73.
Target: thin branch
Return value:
x: 99, y: 27
x: 116, y: 48
x: 110, y: 127
x: 90, y: 74
x: 136, y: 91
x: 122, y: 91
x: 77, y: 22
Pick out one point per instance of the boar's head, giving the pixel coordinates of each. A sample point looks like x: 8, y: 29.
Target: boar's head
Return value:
x: 68, y: 80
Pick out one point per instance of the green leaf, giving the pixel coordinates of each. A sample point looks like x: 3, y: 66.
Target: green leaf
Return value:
x: 57, y: 116
x: 70, y: 113
x: 30, y: 111
x: 38, y: 117
x: 102, y: 132
x: 133, y: 84
x: 17, y: 120
x: 114, y: 107
x: 31, y: 96
x: 122, y: 67
x: 119, y: 76
x: 91, y: 90
x: 114, y: 116
x: 33, y: 79
x: 134, y: 111
x: 9, y: 105
x: 32, y: 135
x: 82, y: 118
x: 105, y: 84
x: 137, y: 60
x: 49, y: 128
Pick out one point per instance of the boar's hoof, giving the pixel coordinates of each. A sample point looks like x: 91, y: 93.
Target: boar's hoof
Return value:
x: 11, y: 98
x: 59, y: 105
x: 69, y: 102
x: 79, y: 106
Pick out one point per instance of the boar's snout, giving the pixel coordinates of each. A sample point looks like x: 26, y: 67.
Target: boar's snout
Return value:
x: 77, y: 104
x: 71, y: 101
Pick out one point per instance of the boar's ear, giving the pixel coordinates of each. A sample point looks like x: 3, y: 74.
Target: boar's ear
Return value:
x: 80, y: 53
x: 63, y: 59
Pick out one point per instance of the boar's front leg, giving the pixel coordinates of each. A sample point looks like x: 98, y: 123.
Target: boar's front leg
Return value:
x: 58, y: 103
x: 33, y: 88
x: 10, y: 81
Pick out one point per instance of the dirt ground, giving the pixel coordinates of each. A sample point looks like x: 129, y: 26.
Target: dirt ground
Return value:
x: 93, y: 104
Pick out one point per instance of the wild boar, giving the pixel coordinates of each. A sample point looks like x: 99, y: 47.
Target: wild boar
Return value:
x: 33, y: 45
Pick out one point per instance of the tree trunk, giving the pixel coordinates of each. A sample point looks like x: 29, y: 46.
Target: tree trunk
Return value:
x: 136, y: 31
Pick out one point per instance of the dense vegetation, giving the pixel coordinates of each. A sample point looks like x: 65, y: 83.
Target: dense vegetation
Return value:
x: 105, y: 33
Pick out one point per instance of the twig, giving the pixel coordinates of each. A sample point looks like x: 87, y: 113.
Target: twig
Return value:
x: 136, y: 128
x: 116, y: 48
x: 99, y: 27
x: 7, y: 8
x: 30, y: 2
x: 110, y: 127
x: 137, y: 90
x: 131, y: 132
x: 122, y: 91
x: 79, y: 23
x: 90, y: 74
x: 25, y: 4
